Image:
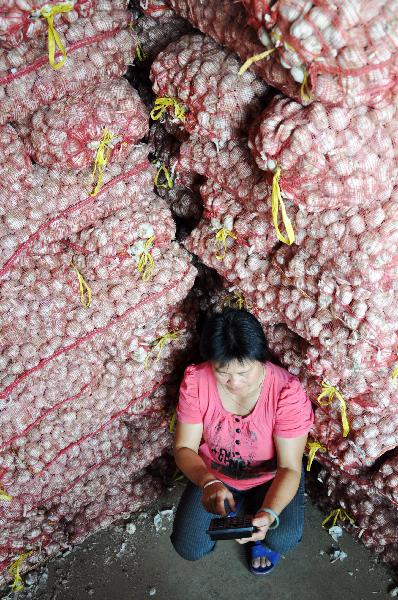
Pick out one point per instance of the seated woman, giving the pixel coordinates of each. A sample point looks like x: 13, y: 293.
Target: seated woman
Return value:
x: 240, y: 437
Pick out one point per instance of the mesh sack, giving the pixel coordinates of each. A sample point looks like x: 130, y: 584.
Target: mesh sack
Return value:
x: 20, y: 21
x: 226, y: 23
x: 347, y: 51
x: 67, y: 134
x: 329, y: 157
x: 203, y: 77
x: 49, y: 208
x: 385, y: 479
x: 154, y: 34
x: 375, y: 519
x: 99, y: 48
x: 15, y: 163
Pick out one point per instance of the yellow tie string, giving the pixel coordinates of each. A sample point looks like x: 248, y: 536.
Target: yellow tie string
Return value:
x: 276, y: 201
x: 162, y: 104
x: 101, y: 159
x: 255, y: 58
x: 168, y: 184
x: 139, y: 52
x: 146, y: 264
x: 158, y: 345
x: 173, y: 421
x: 394, y: 375
x: 14, y: 569
x: 5, y: 496
x: 338, y: 514
x: 313, y: 447
x: 84, y: 289
x: 305, y: 89
x: 221, y: 240
x: 54, y: 40
x: 331, y: 392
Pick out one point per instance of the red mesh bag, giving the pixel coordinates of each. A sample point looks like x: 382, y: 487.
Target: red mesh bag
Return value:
x: 329, y: 157
x: 15, y: 163
x: 155, y: 33
x: 50, y: 208
x: 374, y: 520
x: 67, y: 134
x: 347, y: 51
x: 204, y: 78
x: 226, y: 23
x: 98, y: 48
x: 385, y: 479
x: 157, y: 9
x: 20, y: 21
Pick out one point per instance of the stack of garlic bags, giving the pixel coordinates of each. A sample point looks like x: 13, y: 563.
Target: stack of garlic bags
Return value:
x: 300, y: 203
x: 94, y: 324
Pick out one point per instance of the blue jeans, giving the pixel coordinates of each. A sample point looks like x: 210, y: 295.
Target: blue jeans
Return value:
x: 191, y: 521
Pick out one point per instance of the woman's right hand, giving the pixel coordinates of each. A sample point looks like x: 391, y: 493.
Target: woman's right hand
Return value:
x: 214, y: 497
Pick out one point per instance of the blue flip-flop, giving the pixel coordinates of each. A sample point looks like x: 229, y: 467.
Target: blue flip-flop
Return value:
x: 257, y: 550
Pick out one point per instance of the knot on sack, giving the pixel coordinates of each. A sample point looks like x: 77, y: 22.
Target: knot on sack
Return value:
x: 54, y: 41
x: 236, y: 300
x: 14, y: 571
x: 276, y: 201
x: 338, y: 514
x: 162, y: 104
x: 84, y: 289
x: 146, y: 264
x: 159, y: 345
x: 331, y: 393
x: 313, y: 448
x: 101, y: 158
x: 168, y: 183
x: 221, y: 241
x: 255, y: 58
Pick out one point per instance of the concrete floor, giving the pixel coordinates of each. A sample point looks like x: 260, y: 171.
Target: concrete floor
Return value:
x: 116, y: 565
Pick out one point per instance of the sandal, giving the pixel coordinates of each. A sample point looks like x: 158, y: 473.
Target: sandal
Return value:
x: 257, y: 550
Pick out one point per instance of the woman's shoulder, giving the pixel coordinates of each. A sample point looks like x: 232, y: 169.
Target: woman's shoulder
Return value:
x: 196, y: 371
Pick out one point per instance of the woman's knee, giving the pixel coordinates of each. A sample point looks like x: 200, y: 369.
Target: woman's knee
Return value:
x: 287, y: 544
x: 190, y: 552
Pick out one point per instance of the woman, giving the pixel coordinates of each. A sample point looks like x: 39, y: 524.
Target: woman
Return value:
x: 240, y: 437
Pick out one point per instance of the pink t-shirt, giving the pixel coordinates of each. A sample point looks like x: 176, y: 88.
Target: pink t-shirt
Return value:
x: 240, y: 450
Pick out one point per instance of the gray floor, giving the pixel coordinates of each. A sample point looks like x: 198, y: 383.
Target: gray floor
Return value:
x: 116, y: 565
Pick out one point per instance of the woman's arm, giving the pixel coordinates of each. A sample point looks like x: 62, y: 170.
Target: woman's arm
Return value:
x: 186, y: 445
x: 284, y: 487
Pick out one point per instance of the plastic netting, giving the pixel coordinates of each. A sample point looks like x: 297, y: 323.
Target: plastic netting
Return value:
x: 66, y: 135
x: 329, y: 157
x: 49, y: 208
x: 20, y: 21
x: 385, y: 479
x: 157, y: 9
x: 154, y: 34
x: 204, y: 78
x: 347, y: 50
x: 98, y: 48
x: 226, y: 23
x: 15, y: 163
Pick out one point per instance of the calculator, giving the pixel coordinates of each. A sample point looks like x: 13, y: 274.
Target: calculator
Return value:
x: 231, y: 528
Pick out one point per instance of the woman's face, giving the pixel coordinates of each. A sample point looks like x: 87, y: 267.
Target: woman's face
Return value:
x: 238, y: 376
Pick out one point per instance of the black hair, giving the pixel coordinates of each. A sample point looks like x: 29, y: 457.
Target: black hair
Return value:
x: 233, y: 334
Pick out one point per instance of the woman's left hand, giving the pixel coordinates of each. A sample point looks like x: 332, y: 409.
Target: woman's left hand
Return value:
x: 262, y: 521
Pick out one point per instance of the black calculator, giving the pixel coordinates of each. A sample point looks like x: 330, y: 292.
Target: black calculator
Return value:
x: 230, y: 528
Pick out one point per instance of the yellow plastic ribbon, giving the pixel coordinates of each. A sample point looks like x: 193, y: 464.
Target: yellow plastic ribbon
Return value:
x: 139, y: 51
x: 305, y: 89
x: 255, y: 58
x: 14, y: 569
x: 101, y: 159
x: 146, y: 264
x: 178, y: 475
x: 168, y: 184
x: 313, y: 447
x: 338, y: 514
x: 221, y: 240
x: 238, y: 298
x: 54, y: 41
x: 276, y: 201
x: 394, y: 375
x: 162, y: 104
x: 332, y: 392
x: 159, y: 344
x: 5, y: 496
x: 84, y: 289
x: 173, y: 421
